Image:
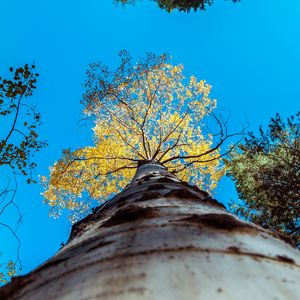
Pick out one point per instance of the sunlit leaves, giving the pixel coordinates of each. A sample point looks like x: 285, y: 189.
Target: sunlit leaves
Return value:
x: 8, y: 271
x: 146, y: 111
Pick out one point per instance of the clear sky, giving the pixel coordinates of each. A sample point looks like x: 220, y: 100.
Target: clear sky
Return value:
x: 248, y: 51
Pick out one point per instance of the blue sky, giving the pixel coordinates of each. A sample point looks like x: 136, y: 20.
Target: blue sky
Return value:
x: 248, y: 52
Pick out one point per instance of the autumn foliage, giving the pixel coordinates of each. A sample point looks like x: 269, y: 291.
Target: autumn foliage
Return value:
x: 146, y: 111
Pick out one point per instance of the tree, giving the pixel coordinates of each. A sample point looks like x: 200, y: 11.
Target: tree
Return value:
x: 160, y: 238
x: 148, y: 112
x: 180, y: 5
x: 18, y: 142
x: 266, y: 170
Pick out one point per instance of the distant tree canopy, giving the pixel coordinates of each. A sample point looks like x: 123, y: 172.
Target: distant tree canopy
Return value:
x: 18, y: 143
x: 266, y: 170
x: 181, y: 5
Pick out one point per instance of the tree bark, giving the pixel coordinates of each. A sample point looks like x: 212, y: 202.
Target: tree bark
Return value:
x: 163, y: 239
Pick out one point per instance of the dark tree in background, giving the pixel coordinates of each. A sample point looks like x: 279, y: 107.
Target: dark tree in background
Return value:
x: 18, y: 143
x: 266, y: 169
x: 181, y: 5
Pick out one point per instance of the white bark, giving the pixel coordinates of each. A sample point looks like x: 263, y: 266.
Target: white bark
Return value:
x: 162, y: 239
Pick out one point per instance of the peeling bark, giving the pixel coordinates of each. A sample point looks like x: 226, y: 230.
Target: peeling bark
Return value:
x: 164, y: 239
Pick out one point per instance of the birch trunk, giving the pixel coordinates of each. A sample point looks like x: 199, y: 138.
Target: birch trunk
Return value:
x: 163, y: 239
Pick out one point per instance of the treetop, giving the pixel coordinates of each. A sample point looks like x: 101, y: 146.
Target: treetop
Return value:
x: 147, y: 111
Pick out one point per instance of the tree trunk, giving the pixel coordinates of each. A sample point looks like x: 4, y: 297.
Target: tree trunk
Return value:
x: 163, y: 239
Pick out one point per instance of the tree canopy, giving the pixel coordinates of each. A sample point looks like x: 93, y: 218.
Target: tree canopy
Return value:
x: 142, y: 112
x: 18, y: 143
x: 266, y: 169
x: 21, y: 141
x: 180, y: 5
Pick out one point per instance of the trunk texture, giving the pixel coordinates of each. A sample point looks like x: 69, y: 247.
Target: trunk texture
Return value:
x: 163, y: 239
